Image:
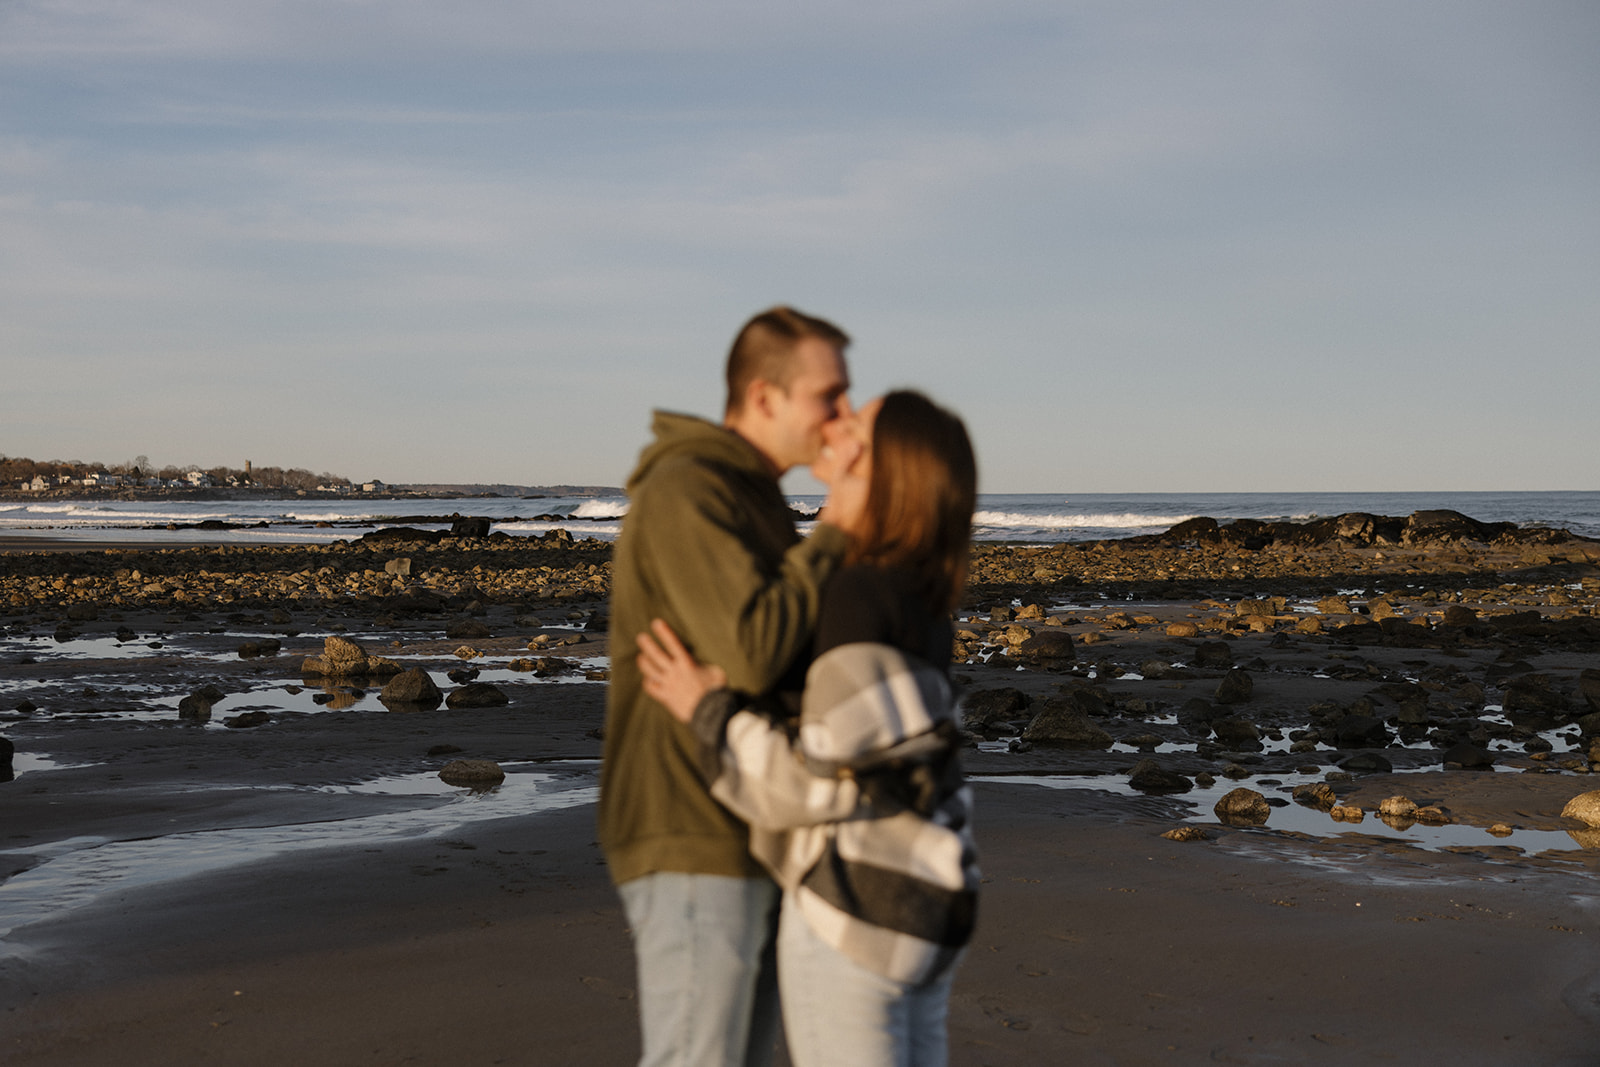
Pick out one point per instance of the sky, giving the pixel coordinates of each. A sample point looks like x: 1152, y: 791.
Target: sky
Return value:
x: 1140, y: 247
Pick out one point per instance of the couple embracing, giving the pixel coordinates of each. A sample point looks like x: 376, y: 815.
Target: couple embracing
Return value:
x: 781, y: 797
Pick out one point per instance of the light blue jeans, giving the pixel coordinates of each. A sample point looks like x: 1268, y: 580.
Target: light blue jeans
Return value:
x: 837, y: 1013
x: 708, y: 990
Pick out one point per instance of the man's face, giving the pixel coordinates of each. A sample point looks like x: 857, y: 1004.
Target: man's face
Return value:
x: 816, y: 396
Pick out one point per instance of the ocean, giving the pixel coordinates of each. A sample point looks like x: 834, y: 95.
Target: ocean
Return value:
x: 1037, y: 518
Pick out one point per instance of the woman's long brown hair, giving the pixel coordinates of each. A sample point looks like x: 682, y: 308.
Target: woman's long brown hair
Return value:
x: 919, y: 502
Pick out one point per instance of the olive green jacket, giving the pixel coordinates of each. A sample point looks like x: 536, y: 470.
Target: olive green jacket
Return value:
x: 709, y: 546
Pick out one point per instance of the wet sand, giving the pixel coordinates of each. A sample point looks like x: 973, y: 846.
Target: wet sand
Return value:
x: 416, y: 924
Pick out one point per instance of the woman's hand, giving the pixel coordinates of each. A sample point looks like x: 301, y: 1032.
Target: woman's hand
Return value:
x: 671, y: 675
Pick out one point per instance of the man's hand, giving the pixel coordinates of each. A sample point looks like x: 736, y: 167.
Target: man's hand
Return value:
x: 671, y: 675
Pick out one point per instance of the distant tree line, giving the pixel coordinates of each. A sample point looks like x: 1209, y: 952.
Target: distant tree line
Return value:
x: 19, y: 469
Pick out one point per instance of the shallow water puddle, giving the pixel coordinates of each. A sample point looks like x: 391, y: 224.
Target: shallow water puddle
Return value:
x: 1298, y: 818
x: 79, y: 870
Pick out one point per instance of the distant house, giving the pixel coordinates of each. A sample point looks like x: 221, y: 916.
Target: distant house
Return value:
x: 373, y: 486
x: 39, y: 484
x: 199, y: 479
x: 100, y: 480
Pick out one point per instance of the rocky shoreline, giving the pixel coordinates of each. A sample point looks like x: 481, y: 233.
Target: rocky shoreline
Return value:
x: 1343, y: 734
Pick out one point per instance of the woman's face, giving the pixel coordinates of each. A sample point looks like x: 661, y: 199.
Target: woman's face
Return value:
x: 844, y: 438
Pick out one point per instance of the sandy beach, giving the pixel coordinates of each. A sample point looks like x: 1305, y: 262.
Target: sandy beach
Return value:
x: 307, y: 889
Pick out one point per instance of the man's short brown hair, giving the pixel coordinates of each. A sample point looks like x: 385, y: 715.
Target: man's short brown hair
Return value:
x: 764, y: 346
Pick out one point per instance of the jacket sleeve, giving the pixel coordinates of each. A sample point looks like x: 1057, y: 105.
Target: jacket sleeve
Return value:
x: 762, y: 780
x: 751, y: 616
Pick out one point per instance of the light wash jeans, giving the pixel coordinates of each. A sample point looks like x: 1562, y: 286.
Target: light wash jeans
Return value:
x: 837, y: 1013
x: 708, y: 990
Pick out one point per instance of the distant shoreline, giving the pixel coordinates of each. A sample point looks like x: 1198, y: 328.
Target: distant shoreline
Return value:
x: 392, y: 492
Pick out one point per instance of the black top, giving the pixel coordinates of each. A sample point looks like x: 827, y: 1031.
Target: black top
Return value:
x: 866, y: 603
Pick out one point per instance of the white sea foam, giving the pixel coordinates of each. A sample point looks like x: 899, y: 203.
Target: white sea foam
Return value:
x: 608, y: 508
x: 1123, y: 521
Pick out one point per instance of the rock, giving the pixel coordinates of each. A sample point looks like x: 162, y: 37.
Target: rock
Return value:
x: 1187, y: 833
x: 471, y: 771
x: 8, y: 750
x: 246, y: 720
x: 466, y: 628
x: 1196, y: 710
x: 1380, y: 609
x: 1334, y: 605
x: 1246, y: 608
x: 1063, y: 723
x: 1360, y: 731
x: 1182, y: 629
x: 1533, y: 692
x: 1049, y: 649
x: 1235, y: 688
x: 1237, y: 734
x: 342, y: 657
x: 1456, y: 616
x: 1367, y: 763
x: 1347, y: 813
x: 197, y: 705
x: 1149, y: 777
x: 1030, y: 611
x: 462, y: 675
x: 1468, y: 755
x: 1397, y: 806
x: 1317, y: 795
x: 1589, y: 687
x: 413, y: 688
x: 1585, y: 807
x: 83, y: 613
x: 1244, y: 807
x: 985, y: 706
x: 477, y: 695
x: 400, y: 567
x: 1213, y: 654
x: 1431, y: 815
x: 1000, y: 614
x: 1501, y: 829
x: 469, y: 527
x: 1157, y: 669
x: 1309, y: 624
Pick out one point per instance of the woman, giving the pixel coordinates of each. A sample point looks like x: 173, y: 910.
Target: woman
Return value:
x: 859, y: 809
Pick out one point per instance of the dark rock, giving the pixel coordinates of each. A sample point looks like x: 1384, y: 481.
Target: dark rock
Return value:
x: 1533, y: 692
x: 1237, y: 735
x: 1317, y: 795
x: 1468, y: 755
x: 1243, y: 807
x: 469, y: 527
x: 1201, y: 528
x: 1213, y: 654
x: 246, y: 720
x: 1049, y: 649
x: 467, y: 628
x: 1367, y: 763
x: 1426, y: 527
x: 985, y: 706
x: 1456, y: 615
x: 1063, y: 722
x: 1149, y: 777
x: 1589, y: 687
x: 1196, y: 710
x: 477, y: 695
x: 462, y: 675
x: 1235, y: 688
x: 1360, y: 731
x: 471, y: 771
x: 412, y: 688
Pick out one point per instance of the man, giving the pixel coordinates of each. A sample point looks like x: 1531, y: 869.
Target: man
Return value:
x: 709, y: 546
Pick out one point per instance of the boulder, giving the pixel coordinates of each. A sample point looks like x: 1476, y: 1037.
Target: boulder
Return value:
x: 471, y: 771
x: 1534, y: 693
x: 1213, y: 654
x: 342, y: 657
x: 1237, y: 734
x: 985, y: 706
x: 1243, y: 807
x: 469, y: 527
x: 477, y: 695
x: 1456, y: 615
x: 1317, y: 795
x: 466, y: 628
x: 413, y: 689
x: 1466, y: 754
x: 1236, y: 687
x: 1063, y: 723
x: 1398, y: 807
x: 1585, y: 807
x: 1367, y: 763
x: 1049, y: 649
x: 246, y: 720
x: 1182, y: 629
x: 1360, y: 731
x: 1149, y: 777
x: 1589, y: 687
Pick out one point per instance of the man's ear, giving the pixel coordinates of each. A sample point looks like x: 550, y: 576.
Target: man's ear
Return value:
x: 758, y: 398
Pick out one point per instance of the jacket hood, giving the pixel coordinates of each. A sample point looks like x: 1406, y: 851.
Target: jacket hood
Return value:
x: 693, y: 437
